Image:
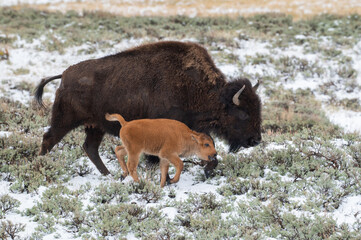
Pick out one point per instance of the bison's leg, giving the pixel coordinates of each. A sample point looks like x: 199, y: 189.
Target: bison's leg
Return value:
x: 154, y: 160
x: 93, y: 139
x: 61, y: 123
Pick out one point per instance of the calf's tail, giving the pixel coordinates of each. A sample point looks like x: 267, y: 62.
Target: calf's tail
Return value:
x: 40, y: 89
x: 115, y: 117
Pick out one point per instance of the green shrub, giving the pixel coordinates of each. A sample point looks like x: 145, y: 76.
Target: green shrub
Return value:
x: 108, y: 192
x: 8, y: 230
x: 56, y: 201
x: 147, y: 191
x: 235, y: 187
x: 289, y: 67
x: 290, y: 112
x: 7, y: 204
x: 355, y: 153
x: 199, y: 203
x: 31, y: 175
x: 346, y: 71
x: 118, y: 220
x: 287, y: 225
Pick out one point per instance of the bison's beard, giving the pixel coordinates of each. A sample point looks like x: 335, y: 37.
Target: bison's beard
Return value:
x: 234, y: 146
x: 236, y: 143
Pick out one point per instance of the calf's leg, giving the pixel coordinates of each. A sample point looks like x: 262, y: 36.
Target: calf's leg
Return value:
x: 121, y: 152
x: 132, y: 164
x: 164, y: 167
x: 177, y: 162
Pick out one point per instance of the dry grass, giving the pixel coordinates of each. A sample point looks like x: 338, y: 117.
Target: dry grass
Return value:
x: 299, y: 9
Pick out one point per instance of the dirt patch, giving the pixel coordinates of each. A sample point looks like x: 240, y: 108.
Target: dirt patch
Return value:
x: 299, y: 9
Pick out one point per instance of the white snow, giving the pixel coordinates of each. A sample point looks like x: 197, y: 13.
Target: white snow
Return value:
x: 348, y: 211
x: 229, y: 70
x: 5, y: 134
x: 171, y: 212
x: 350, y: 121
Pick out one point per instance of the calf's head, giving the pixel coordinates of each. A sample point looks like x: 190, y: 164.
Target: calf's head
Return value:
x: 205, y: 149
x: 241, y: 121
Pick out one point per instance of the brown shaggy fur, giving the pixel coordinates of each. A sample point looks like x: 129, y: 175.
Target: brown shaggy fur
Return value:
x: 168, y: 139
x: 172, y: 80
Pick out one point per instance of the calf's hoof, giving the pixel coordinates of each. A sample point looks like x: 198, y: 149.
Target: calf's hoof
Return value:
x: 122, y: 177
x: 168, y: 179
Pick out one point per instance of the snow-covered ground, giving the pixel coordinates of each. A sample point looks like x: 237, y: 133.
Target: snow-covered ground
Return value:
x: 350, y: 121
x: 40, y: 63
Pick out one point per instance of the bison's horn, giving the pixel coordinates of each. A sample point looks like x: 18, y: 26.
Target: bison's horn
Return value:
x: 236, y: 96
x: 255, y: 87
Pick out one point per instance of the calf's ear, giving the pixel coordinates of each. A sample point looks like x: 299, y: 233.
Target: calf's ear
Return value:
x: 195, y: 138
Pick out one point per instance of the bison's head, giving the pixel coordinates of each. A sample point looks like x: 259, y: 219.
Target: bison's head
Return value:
x: 241, y: 119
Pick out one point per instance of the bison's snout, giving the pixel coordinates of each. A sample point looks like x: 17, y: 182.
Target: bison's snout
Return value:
x: 254, y: 141
x: 212, y: 157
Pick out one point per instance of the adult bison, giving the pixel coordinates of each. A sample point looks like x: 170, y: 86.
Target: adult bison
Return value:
x: 173, y: 80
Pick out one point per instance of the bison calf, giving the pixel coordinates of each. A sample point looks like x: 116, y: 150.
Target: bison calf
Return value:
x: 168, y: 139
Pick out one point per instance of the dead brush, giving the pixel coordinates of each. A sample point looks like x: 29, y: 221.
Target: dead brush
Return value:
x: 4, y: 54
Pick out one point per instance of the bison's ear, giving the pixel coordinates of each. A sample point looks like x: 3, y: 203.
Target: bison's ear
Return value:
x: 255, y: 87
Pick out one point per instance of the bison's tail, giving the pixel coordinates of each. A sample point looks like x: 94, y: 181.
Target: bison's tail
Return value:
x: 115, y: 117
x: 40, y: 89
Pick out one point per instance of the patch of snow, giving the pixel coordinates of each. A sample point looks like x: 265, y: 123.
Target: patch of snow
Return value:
x: 170, y: 212
x: 356, y: 56
x: 229, y: 70
x: 301, y: 83
x: 350, y: 121
x: 251, y: 48
x: 5, y: 134
x: 349, y: 211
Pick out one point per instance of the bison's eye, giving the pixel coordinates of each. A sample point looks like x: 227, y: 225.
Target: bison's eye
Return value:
x: 207, y: 145
x: 243, y: 115
x: 238, y: 113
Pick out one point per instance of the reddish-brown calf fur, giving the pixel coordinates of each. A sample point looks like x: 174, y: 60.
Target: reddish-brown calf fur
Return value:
x: 168, y: 139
